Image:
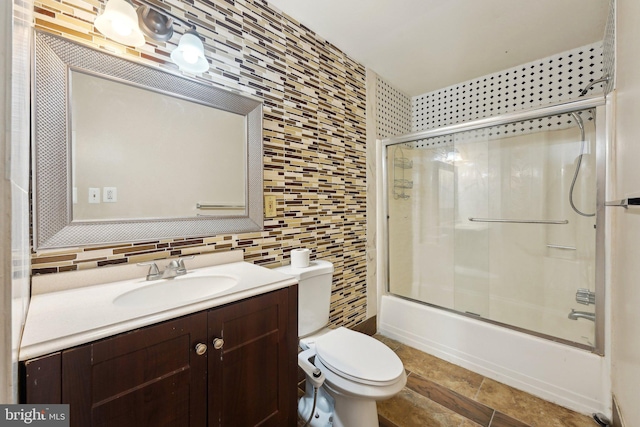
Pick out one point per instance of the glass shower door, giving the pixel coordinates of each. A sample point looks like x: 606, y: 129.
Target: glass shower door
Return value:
x: 495, y: 223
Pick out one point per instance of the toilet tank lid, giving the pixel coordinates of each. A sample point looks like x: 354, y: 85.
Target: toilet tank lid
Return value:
x: 315, y: 268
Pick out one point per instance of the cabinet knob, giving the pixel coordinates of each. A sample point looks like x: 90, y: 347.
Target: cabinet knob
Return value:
x: 201, y: 349
x: 218, y: 343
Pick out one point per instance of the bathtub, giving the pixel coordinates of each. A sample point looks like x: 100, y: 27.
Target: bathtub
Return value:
x: 574, y: 378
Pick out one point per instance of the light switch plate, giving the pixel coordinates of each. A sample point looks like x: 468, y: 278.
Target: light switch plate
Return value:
x: 270, y: 206
x: 94, y: 195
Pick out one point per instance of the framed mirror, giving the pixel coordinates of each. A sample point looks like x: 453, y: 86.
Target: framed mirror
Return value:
x: 124, y: 152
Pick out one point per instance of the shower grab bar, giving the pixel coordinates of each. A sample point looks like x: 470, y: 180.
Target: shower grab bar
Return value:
x: 520, y: 221
x: 625, y: 203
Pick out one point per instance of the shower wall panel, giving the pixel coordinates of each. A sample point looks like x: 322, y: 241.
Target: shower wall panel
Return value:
x: 549, y: 80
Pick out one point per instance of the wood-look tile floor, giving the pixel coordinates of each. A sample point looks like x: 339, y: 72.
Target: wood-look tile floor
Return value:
x: 440, y: 394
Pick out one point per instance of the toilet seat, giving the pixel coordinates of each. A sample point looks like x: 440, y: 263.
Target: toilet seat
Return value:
x: 359, y: 357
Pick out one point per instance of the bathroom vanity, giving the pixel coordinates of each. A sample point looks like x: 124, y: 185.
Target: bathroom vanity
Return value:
x: 231, y: 364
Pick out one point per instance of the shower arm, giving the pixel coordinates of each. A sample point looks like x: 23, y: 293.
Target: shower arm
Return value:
x: 603, y: 79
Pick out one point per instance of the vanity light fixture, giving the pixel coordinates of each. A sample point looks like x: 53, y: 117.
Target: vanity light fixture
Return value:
x: 119, y: 22
x: 189, y: 55
x: 154, y: 24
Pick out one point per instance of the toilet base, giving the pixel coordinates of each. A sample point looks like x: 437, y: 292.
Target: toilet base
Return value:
x: 351, y: 412
x: 343, y: 411
x: 324, y: 410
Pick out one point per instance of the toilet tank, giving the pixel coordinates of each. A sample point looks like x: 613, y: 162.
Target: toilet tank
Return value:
x: 314, y: 294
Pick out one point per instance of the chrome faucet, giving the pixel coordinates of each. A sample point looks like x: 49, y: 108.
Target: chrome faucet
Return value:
x: 575, y: 315
x: 175, y: 268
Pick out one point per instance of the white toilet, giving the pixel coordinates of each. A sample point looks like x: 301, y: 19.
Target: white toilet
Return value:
x: 355, y: 370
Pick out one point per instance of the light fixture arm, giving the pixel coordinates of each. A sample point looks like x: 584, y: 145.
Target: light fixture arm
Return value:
x: 125, y: 23
x: 189, y: 54
x: 165, y: 12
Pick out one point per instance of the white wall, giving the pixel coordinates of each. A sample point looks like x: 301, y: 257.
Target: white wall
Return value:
x: 5, y: 201
x: 15, y: 25
x: 626, y: 238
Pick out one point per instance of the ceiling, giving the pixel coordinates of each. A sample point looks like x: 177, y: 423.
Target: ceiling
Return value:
x: 422, y: 45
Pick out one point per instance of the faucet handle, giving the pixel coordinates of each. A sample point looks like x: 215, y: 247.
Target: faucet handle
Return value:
x: 585, y: 296
x: 181, y: 267
x: 154, y: 271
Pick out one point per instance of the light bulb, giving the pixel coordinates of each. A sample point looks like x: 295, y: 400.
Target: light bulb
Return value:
x: 119, y: 22
x: 190, y: 55
x: 121, y: 27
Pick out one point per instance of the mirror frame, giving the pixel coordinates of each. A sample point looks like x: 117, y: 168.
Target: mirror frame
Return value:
x: 54, y: 58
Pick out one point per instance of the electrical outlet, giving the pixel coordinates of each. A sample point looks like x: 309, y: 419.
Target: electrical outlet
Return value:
x: 269, y: 206
x: 94, y: 195
x: 109, y: 194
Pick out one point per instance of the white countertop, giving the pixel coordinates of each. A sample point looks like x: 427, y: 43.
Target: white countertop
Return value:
x: 67, y: 318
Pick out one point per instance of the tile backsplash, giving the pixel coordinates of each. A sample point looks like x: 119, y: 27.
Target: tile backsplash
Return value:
x: 314, y: 137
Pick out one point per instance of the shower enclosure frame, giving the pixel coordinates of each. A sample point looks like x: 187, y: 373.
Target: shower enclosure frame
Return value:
x: 597, y: 102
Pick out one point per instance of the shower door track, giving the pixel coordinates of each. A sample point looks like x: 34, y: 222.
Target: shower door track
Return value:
x: 517, y: 116
x: 582, y: 103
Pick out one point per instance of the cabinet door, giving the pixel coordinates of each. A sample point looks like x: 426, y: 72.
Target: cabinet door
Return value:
x: 252, y: 376
x: 150, y: 377
x: 41, y: 380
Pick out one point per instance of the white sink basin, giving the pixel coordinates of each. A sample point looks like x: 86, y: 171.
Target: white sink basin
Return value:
x: 179, y: 290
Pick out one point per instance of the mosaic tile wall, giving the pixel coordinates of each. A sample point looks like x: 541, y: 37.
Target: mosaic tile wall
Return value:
x: 314, y: 137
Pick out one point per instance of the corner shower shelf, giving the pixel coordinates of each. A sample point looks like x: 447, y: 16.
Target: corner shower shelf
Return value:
x: 402, y: 163
x: 402, y: 183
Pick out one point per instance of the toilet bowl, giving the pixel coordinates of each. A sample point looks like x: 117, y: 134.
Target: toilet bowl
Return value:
x: 352, y: 370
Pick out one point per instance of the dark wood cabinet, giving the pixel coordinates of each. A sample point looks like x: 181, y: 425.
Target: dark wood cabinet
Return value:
x: 251, y: 372
x: 155, y: 376
x: 147, y: 377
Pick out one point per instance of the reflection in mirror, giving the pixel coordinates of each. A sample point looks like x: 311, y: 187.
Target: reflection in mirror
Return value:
x: 161, y: 156
x: 130, y: 145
